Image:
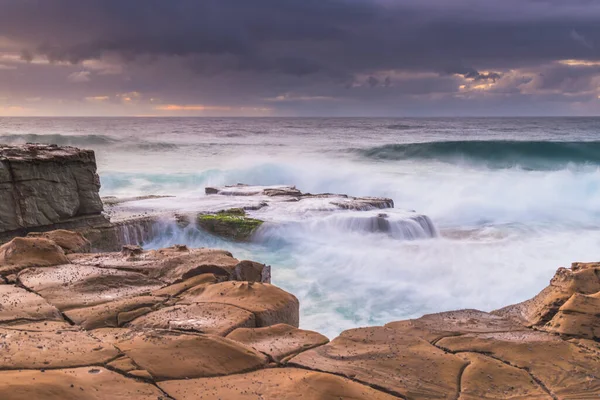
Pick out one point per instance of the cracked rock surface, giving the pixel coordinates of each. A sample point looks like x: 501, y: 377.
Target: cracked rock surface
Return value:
x: 185, y: 324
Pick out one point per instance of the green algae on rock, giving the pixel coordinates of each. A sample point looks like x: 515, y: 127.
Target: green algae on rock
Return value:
x: 231, y: 224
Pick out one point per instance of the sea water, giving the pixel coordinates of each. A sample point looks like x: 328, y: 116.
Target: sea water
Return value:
x: 509, y: 200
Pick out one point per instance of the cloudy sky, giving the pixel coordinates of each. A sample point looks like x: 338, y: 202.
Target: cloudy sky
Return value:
x: 300, y: 57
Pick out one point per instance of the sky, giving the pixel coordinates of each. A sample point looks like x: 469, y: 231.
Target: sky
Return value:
x: 299, y: 57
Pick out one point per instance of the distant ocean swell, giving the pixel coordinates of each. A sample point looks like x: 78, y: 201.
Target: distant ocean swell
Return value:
x: 535, y: 155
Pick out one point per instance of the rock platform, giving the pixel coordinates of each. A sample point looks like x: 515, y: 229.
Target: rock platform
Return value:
x: 185, y: 324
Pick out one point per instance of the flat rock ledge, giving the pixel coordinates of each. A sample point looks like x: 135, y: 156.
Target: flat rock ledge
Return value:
x: 189, y: 324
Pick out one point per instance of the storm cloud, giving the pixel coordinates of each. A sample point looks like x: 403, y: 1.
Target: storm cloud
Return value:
x: 278, y: 54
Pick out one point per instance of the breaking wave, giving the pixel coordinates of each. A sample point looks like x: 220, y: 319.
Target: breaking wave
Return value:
x: 529, y: 155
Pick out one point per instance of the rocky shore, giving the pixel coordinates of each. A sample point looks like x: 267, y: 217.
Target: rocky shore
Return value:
x: 182, y: 323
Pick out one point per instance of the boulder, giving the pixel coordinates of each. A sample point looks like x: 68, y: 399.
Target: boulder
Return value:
x: 273, y: 384
x: 21, y: 253
x: 17, y: 304
x: 231, y: 224
x: 170, y: 355
x: 75, y: 286
x: 278, y: 341
x: 213, y: 318
x: 43, y: 185
x: 69, y: 241
x: 89, y: 383
x: 268, y: 303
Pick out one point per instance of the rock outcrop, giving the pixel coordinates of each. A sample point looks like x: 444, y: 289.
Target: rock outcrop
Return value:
x: 182, y: 323
x: 47, y: 185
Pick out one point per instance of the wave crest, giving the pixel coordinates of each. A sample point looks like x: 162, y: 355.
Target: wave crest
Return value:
x: 534, y: 155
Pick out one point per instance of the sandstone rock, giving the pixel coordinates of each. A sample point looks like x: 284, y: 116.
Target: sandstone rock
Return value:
x: 581, y: 278
x: 487, y: 378
x: 169, y: 355
x: 273, y: 384
x: 170, y: 265
x: 89, y: 383
x: 364, y: 203
x: 26, y: 349
x: 21, y: 253
x: 250, y: 271
x: 198, y: 281
x: 75, y: 286
x: 113, y: 314
x: 566, y: 370
x: 579, y: 316
x: 382, y: 357
x: 433, y: 327
x: 269, y: 304
x: 45, y: 184
x: 71, y: 242
x: 278, y: 341
x: 17, y: 304
x: 213, y: 318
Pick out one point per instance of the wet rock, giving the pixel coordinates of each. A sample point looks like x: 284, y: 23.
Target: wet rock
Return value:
x: 88, y: 383
x: 190, y: 356
x: 269, y: 304
x: 231, y: 224
x: 18, y: 304
x: 250, y: 271
x: 273, y: 384
x: 69, y: 241
x: 212, y: 318
x: 75, y: 286
x: 278, y: 341
x: 21, y: 253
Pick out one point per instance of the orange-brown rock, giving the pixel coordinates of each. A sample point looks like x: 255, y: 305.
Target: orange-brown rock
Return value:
x: 273, y: 384
x: 566, y: 370
x: 69, y: 241
x: 21, y: 253
x: 170, y: 355
x: 487, y: 378
x: 269, y: 304
x: 581, y: 278
x: 18, y: 304
x: 383, y: 357
x: 62, y: 348
x: 176, y: 289
x: 278, y: 341
x: 433, y: 327
x: 579, y: 316
x: 214, y: 318
x: 89, y: 383
x: 172, y: 265
x: 113, y: 314
x: 76, y: 286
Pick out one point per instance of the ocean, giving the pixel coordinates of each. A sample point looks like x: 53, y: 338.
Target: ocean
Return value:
x: 512, y: 199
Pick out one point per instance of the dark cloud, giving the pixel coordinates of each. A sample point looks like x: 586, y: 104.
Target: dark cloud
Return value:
x: 251, y: 50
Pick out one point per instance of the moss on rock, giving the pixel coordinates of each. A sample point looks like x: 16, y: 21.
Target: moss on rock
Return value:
x: 231, y: 224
